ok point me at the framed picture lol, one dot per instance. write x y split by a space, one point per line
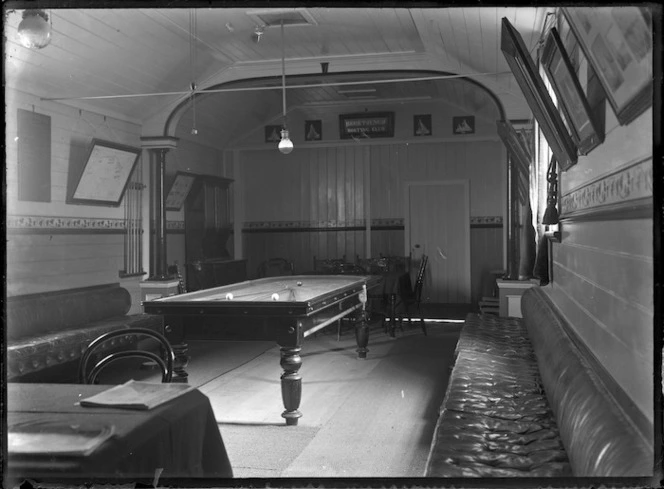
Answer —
272 134
617 41
179 190
571 99
519 153
313 130
464 124
422 125
537 96
105 174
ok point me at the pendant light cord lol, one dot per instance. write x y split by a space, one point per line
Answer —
283 72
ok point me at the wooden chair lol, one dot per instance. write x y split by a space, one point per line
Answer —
276 267
411 297
165 361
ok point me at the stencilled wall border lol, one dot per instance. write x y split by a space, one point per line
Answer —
622 194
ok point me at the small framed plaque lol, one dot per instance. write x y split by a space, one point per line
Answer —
179 190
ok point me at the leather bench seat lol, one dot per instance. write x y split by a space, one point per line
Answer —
48 332
525 399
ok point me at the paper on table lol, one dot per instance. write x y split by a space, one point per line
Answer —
136 395
57 437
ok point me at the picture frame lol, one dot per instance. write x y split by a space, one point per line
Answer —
273 133
521 155
313 130
105 174
537 95
617 42
571 98
180 188
422 125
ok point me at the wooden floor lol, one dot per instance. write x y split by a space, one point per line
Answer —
361 418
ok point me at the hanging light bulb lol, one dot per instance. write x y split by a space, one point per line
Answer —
285 145
34 31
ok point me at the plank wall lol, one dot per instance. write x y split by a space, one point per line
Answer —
317 201
602 271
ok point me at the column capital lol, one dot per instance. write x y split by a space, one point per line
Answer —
159 142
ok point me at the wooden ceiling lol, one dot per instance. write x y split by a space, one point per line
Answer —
139 63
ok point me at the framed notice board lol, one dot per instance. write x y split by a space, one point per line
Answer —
105 175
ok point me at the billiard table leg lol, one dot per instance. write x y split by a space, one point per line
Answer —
362 335
291 383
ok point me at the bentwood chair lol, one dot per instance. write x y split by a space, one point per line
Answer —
275 267
411 297
88 373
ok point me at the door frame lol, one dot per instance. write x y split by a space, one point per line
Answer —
408 185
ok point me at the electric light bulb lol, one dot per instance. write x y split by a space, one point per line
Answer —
285 145
34 30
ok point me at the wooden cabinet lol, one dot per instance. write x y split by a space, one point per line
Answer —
207 232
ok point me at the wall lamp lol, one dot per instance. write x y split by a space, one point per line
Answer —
551 219
34 31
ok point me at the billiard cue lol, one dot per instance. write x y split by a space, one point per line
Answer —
331 320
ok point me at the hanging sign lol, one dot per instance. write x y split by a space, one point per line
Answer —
366 125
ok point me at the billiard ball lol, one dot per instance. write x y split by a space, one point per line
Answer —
275 297
229 297
299 284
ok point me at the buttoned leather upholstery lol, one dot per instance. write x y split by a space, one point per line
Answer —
522 402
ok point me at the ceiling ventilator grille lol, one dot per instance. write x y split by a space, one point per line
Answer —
290 17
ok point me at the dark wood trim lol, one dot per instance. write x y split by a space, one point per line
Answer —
630 209
483 226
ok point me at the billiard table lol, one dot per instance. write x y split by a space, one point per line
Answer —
284 309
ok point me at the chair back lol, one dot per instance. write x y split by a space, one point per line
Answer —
165 361
275 267
419 281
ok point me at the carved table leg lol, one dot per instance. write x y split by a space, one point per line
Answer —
174 332
291 383
181 361
362 335
393 314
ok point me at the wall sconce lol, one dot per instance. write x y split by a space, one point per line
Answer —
551 219
34 31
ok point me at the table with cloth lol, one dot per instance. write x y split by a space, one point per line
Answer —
175 440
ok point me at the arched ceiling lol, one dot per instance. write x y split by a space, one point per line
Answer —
138 64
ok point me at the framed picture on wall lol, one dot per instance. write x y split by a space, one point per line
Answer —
571 99
533 88
313 130
105 174
179 190
617 41
272 134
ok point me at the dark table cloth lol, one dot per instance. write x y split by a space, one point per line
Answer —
181 437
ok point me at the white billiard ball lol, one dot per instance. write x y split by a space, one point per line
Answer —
229 297
299 284
275 297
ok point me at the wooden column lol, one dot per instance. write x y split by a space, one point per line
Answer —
158 148
512 220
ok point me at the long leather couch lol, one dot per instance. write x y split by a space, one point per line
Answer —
525 399
48 332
